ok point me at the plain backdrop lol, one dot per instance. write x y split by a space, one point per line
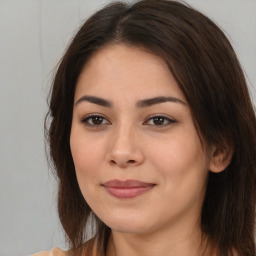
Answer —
33 36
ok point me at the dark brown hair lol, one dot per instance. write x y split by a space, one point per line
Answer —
208 73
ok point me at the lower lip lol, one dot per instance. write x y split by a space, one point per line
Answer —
128 192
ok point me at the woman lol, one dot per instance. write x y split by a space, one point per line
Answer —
152 136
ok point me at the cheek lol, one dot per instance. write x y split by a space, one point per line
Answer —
181 162
87 156
177 152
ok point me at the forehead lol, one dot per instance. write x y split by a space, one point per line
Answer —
122 69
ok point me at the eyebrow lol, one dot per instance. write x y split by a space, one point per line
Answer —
140 104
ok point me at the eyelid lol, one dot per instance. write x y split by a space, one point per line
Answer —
169 119
87 117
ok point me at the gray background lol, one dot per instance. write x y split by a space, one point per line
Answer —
33 36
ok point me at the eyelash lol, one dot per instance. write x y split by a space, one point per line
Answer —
85 120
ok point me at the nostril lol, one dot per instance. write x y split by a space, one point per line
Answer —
131 161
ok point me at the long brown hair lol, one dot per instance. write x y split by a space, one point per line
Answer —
206 68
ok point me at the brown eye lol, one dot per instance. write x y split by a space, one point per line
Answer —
160 121
94 120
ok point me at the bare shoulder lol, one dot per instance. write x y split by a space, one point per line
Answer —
54 252
88 249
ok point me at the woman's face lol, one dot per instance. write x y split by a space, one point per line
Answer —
138 158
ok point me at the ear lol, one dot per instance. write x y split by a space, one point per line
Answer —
220 158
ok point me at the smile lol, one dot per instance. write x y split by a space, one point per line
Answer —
127 189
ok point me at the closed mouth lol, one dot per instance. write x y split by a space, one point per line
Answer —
127 188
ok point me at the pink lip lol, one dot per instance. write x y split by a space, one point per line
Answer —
127 188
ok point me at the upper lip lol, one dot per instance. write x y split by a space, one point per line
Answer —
126 184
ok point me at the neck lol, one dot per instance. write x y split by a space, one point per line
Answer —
188 244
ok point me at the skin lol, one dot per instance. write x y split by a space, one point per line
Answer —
129 144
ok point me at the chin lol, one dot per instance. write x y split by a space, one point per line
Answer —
129 225
129 229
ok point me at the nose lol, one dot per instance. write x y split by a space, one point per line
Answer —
125 149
